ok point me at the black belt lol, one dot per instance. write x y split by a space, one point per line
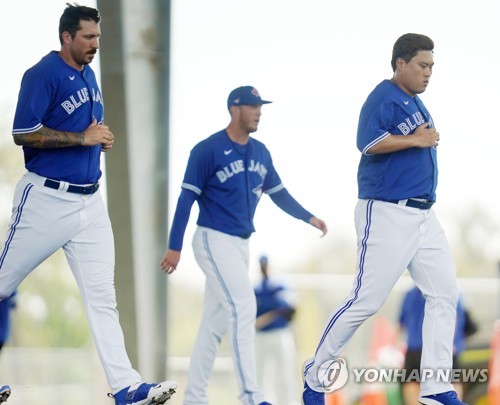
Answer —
72 188
423 205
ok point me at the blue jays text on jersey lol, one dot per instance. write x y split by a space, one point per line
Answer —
238 166
229 180
389 110
55 95
83 97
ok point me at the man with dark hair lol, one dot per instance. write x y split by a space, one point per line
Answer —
57 203
396 226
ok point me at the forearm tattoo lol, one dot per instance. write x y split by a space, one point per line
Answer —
46 138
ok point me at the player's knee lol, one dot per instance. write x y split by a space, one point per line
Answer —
448 293
372 310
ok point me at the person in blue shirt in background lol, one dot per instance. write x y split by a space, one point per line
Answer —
5 307
274 342
411 319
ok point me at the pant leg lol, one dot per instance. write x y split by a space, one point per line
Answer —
269 368
212 328
387 240
91 256
263 358
41 222
433 271
286 361
225 259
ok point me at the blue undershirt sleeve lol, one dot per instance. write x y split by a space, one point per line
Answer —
181 218
287 203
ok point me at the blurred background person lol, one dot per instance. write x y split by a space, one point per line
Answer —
6 307
275 343
411 319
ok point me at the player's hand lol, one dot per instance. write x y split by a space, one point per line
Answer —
97 134
426 137
170 261
320 224
106 147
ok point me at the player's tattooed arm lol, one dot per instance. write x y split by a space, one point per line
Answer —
46 138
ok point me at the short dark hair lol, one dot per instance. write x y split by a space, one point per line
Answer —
407 46
70 19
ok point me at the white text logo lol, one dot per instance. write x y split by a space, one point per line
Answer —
333 374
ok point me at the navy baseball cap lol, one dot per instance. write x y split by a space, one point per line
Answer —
245 95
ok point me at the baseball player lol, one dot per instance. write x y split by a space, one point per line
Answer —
395 224
6 306
275 347
57 203
227 174
411 318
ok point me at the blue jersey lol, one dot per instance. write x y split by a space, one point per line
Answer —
229 180
58 96
6 306
409 173
273 295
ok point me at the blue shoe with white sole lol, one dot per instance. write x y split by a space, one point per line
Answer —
311 397
445 398
4 393
145 394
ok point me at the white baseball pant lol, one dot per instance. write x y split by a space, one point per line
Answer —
390 239
44 220
277 365
230 306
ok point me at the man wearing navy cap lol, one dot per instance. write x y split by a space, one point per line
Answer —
226 174
245 95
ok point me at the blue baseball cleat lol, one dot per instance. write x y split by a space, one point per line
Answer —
145 394
311 397
4 393
445 398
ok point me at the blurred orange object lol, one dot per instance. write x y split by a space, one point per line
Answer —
494 367
374 394
336 398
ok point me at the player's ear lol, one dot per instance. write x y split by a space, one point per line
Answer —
400 62
234 110
66 37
